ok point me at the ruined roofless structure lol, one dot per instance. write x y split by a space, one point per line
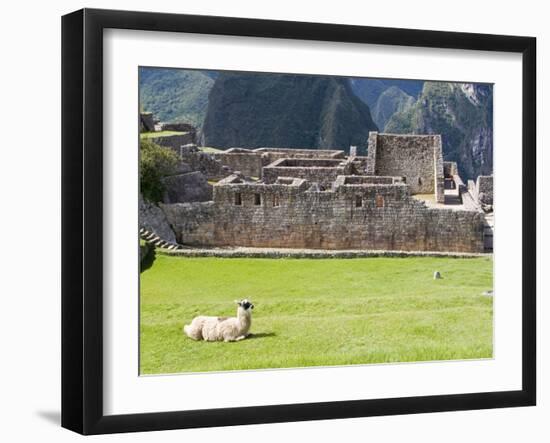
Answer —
402 196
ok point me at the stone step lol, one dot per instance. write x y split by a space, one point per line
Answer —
154 239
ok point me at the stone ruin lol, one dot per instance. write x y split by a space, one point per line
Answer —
170 135
252 161
401 196
482 191
418 158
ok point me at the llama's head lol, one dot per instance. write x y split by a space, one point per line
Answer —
245 304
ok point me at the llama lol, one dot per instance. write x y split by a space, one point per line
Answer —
222 328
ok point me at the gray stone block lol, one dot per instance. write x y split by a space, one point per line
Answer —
152 218
147 122
189 187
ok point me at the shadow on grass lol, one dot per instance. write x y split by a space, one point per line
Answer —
149 258
261 335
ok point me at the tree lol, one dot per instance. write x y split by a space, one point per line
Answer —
155 163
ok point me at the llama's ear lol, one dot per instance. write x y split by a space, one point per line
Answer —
237 301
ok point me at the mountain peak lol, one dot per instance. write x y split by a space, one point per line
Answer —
287 110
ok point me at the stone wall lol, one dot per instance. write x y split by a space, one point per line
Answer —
350 216
251 161
450 169
291 253
178 126
153 219
203 162
174 141
321 171
272 154
439 176
418 158
367 180
195 222
481 190
146 122
484 186
360 165
184 188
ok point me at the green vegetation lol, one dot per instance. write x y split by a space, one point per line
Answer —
285 110
175 94
208 149
155 163
406 122
148 135
317 312
370 89
392 100
443 108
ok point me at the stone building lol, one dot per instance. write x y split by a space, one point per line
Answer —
482 189
418 158
315 170
252 161
169 135
402 196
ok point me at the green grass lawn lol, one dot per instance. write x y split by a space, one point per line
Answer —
209 149
147 135
317 312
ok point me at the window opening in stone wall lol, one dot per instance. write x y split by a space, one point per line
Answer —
358 201
257 199
276 200
379 201
419 181
238 199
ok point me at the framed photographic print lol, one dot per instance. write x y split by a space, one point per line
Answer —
270 221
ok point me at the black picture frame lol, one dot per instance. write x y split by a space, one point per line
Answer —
82 219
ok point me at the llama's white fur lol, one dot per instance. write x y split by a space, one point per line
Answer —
222 328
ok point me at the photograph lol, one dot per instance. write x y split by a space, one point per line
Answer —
273 222
296 220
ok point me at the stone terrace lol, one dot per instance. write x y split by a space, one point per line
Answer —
401 197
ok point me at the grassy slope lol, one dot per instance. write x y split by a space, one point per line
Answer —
317 312
392 100
285 110
158 134
443 109
370 89
175 94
